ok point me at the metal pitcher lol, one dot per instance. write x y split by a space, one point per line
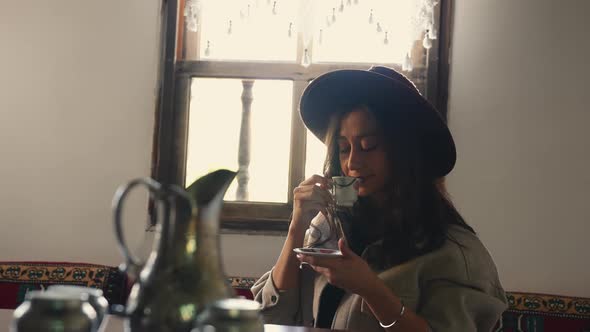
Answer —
183 272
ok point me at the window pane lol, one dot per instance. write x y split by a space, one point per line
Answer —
352 35
367 31
214 134
255 34
315 155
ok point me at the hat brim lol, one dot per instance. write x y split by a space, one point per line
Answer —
337 91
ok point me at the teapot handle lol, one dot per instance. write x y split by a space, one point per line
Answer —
132 263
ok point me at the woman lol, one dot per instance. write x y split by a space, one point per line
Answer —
410 262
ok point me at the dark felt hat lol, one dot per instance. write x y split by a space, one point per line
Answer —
386 91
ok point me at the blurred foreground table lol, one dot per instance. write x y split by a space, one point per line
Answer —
115 324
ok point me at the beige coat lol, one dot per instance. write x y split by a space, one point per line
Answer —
455 288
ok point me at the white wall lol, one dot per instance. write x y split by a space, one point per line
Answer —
519 113
76 98
77 103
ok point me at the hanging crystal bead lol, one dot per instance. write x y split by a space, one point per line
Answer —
407 65
191 12
208 49
426 42
371 17
306 59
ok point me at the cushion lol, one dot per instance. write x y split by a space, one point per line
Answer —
242 286
17 278
529 312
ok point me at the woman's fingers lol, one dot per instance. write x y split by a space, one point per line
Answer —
315 179
326 271
323 193
311 197
323 182
312 193
324 262
303 261
319 269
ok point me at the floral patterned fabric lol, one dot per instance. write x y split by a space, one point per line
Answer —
242 285
545 313
17 278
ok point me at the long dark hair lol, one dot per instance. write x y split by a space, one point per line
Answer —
415 218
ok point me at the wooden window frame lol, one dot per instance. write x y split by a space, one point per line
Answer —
172 110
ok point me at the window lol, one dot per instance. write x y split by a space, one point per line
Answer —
214 134
232 73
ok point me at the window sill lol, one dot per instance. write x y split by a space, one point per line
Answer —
255 218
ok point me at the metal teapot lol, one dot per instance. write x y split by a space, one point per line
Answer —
183 273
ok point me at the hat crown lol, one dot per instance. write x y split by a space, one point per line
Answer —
394 75
386 91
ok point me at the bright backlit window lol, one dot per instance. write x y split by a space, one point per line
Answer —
241 68
321 31
214 134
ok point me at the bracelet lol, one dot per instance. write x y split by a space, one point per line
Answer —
401 313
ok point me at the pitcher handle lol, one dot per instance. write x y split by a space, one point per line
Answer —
132 263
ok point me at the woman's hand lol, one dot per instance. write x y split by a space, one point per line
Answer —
349 272
309 198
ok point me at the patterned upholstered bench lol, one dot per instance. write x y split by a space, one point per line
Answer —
527 312
242 285
545 313
17 278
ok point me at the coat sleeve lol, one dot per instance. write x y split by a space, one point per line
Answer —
460 289
286 307
451 306
292 306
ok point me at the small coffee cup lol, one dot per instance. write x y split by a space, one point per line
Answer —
344 191
95 298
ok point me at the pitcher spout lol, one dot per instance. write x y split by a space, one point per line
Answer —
209 190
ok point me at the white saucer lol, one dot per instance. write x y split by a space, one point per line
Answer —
320 252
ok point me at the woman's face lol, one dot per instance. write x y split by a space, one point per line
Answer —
362 151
